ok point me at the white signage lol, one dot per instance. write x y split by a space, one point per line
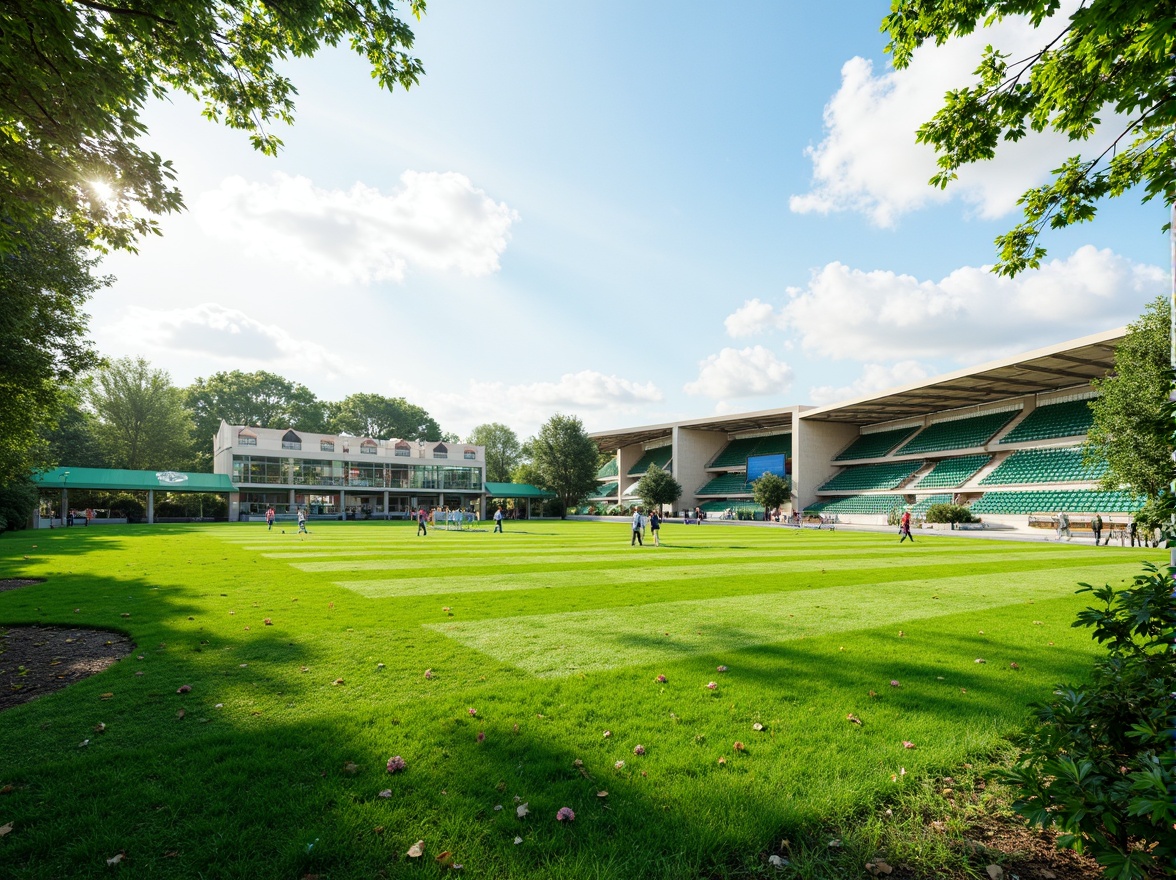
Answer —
171 477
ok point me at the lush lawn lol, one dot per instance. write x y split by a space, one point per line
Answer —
553 633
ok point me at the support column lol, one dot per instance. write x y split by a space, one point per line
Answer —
342 503
386 510
150 506
64 506
291 509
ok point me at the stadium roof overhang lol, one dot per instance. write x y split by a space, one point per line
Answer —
113 480
516 490
778 419
1066 365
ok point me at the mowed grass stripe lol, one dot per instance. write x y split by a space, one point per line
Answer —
439 582
554 645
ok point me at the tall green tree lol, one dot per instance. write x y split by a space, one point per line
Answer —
503 450
142 422
373 415
1132 429
260 398
770 491
75 75
44 284
657 487
1107 55
564 457
74 441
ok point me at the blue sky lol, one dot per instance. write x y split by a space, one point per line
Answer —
629 212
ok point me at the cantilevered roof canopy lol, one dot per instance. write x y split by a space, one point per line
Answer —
516 490
733 424
111 480
1066 365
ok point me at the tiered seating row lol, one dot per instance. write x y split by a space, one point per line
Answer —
721 506
726 484
660 457
1044 466
876 445
857 478
735 453
958 433
608 490
610 469
952 472
1068 419
868 504
1072 501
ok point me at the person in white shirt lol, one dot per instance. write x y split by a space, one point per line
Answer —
638 527
498 519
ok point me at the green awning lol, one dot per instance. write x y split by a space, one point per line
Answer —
516 490
111 480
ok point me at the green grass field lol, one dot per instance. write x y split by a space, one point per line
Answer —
542 639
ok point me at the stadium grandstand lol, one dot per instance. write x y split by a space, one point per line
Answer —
1004 438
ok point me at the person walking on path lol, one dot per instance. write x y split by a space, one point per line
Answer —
302 530
638 524
1064 526
655 527
904 527
422 528
498 519
1133 531
1096 527
269 518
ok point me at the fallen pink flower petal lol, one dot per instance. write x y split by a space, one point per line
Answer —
894 683
481 737
565 814
619 765
268 622
661 679
428 673
721 668
386 793
473 712
183 689
638 749
607 734
907 744
396 764
713 685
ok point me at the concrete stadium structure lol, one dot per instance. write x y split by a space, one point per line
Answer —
1001 437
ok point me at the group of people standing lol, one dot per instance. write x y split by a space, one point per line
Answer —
639 523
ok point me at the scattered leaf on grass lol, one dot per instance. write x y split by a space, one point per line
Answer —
518 840
180 714
183 689
835 842
721 668
8 789
758 726
396 764
522 809
5 829
907 744
777 861
386 793
100 727
713 685
105 696
350 768
444 859
602 794
416 850
337 681
116 858
379 829
853 719
638 749
268 622
878 868
996 872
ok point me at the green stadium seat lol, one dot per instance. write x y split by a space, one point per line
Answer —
660 457
1054 465
958 433
862 477
1071 418
952 472
875 445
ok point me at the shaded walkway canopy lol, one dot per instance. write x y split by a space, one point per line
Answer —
113 480
516 490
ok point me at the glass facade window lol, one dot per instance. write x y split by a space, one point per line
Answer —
326 446
471 455
243 440
291 444
460 478
367 449
254 469
403 451
257 469
440 454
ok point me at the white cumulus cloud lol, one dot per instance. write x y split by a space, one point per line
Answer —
589 394
437 222
224 336
874 378
750 319
970 314
743 372
868 160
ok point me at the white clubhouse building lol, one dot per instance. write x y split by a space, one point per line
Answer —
333 474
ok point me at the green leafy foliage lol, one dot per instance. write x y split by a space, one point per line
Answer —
18 499
1097 761
1132 416
770 491
142 422
949 513
564 458
373 415
44 283
1108 55
503 450
76 75
658 487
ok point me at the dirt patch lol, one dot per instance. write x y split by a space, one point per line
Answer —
36 660
1028 853
17 583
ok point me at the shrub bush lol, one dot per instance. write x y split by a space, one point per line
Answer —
1097 762
950 513
127 506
